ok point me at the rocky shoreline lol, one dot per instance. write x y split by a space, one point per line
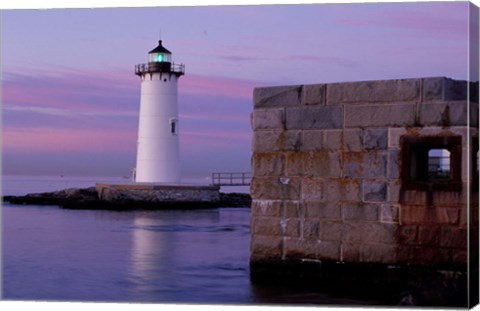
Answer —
88 198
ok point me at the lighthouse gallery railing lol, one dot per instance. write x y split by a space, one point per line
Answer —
145 68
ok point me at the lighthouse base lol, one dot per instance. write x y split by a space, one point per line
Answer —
147 193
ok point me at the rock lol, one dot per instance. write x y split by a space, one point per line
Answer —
235 200
87 198
62 197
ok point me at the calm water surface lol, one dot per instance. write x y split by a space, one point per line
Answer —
196 256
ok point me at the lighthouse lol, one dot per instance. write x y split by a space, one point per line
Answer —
158 129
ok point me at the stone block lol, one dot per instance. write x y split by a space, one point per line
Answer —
312 189
459 257
421 214
323 210
394 164
360 211
395 115
444 114
295 163
313 164
374 91
378 253
440 131
293 209
274 140
265 141
275 188
451 198
393 191
413 197
278 96
273 118
441 88
449 216
266 226
331 230
311 229
407 235
352 140
322 164
375 139
464 216
355 232
341 190
328 250
365 164
374 191
314 117
433 88
344 140
353 164
300 248
333 140
369 232
268 164
414 214
453 237
266 246
314 94
290 141
265 188
350 252
267 208
312 140
292 227
394 135
406 254
428 235
389 213
432 256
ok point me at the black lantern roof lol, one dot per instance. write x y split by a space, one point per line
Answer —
160 49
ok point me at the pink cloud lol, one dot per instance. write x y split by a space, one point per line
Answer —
217 86
192 141
215 115
227 135
54 140
70 89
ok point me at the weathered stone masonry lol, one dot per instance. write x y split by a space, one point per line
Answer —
327 174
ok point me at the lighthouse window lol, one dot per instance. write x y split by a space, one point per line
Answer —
174 126
160 58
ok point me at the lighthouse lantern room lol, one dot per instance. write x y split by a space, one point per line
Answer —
158 139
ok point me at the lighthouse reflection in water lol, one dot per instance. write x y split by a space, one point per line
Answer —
184 252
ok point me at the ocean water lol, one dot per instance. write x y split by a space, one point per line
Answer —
171 256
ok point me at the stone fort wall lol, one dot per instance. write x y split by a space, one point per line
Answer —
338 173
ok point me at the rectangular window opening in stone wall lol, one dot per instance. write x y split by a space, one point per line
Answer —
431 163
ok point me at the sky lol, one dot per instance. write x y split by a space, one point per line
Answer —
70 98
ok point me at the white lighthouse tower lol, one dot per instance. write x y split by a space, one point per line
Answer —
158 132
